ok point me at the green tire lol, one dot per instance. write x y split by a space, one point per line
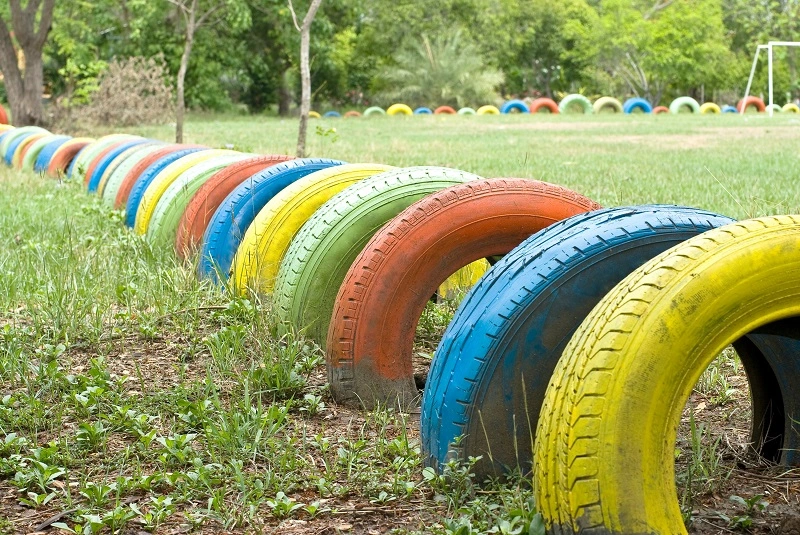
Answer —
573 101
680 102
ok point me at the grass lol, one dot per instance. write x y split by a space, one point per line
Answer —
135 397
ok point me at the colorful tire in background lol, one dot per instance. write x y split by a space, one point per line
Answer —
332 114
660 109
35 149
371 335
422 110
352 113
637 357
139 166
65 154
488 110
604 103
775 108
750 101
544 104
80 164
258 258
314 115
374 110
13 137
46 154
399 109
489 375
729 109
637 103
710 107
514 106
97 169
230 222
3 115
119 166
791 107
212 193
467 111
684 102
444 110
25 146
576 100
317 261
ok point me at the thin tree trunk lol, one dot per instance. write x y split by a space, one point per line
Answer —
305 72
180 108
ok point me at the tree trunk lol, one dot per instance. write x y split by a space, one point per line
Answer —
24 87
180 108
305 75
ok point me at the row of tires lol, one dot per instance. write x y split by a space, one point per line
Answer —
573 355
573 103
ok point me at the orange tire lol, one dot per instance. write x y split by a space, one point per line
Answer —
93 164
3 116
444 110
352 113
64 155
205 202
540 103
745 103
371 334
660 109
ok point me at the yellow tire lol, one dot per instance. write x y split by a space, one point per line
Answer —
605 444
791 108
267 239
6 127
314 115
399 109
710 107
488 110
162 181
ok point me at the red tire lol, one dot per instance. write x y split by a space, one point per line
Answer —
205 202
130 179
3 116
540 103
352 113
444 110
63 156
371 334
745 103
660 109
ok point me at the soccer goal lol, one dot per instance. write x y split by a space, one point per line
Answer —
768 47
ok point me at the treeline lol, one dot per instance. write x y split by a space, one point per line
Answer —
458 52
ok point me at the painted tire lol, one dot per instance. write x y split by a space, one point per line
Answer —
399 109
488 110
576 100
729 109
775 108
255 266
467 111
444 110
316 263
695 299
530 303
544 103
604 103
101 163
374 110
25 146
3 115
119 167
33 151
65 154
231 220
660 109
791 108
405 262
314 115
133 174
216 189
163 225
710 107
80 164
422 110
637 103
332 114
681 102
144 180
352 113
514 105
745 103
164 178
46 154
13 138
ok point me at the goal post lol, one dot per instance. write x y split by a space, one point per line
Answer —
768 47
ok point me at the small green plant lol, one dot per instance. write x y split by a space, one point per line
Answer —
283 506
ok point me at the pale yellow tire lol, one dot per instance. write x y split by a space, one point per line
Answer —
163 179
255 266
6 127
91 151
791 108
604 103
710 107
488 110
399 109
605 444
314 115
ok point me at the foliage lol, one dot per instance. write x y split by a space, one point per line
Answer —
447 69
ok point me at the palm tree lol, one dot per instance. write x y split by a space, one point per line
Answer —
444 70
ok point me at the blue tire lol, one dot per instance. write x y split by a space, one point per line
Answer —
729 109
510 105
144 180
332 114
43 159
422 110
227 226
514 324
108 158
637 103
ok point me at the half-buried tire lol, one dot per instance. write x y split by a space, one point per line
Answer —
316 264
371 335
489 375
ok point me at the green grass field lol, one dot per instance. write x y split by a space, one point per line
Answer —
135 398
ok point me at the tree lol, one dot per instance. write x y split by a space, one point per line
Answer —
24 86
305 71
197 13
